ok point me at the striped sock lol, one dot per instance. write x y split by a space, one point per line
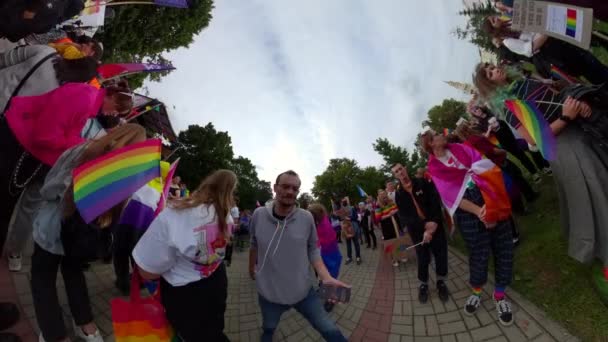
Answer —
477 291
499 293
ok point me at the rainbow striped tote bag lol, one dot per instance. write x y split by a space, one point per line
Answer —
140 319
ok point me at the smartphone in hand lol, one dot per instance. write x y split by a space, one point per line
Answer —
337 293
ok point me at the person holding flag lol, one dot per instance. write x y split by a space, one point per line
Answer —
420 210
473 191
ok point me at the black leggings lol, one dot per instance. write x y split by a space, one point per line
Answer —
370 237
45 266
196 310
438 247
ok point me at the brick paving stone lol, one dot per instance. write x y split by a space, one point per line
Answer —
401 329
448 317
432 327
428 339
485 333
452 327
448 338
419 326
513 333
464 337
527 325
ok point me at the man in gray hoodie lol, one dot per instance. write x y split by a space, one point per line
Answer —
283 247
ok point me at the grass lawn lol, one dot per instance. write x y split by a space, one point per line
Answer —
546 276
600 52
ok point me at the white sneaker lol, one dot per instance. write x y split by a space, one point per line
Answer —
14 263
96 337
396 264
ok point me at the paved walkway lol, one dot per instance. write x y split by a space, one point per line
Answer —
384 307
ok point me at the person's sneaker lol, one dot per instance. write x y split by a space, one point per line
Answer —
547 170
423 293
348 261
536 178
358 261
96 337
403 261
9 337
368 247
396 264
41 338
505 315
9 315
14 263
515 241
471 305
442 290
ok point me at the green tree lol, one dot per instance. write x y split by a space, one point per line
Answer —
393 154
203 150
473 30
250 188
445 115
139 33
337 181
341 178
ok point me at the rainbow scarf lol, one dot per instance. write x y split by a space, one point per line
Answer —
534 122
104 182
386 211
451 183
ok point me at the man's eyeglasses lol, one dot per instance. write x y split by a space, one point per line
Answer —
295 188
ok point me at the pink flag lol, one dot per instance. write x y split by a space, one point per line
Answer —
166 187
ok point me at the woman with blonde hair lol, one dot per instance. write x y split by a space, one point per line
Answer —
185 246
55 224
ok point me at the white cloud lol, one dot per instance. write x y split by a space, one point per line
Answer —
298 83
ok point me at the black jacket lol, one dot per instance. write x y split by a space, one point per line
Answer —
428 200
49 13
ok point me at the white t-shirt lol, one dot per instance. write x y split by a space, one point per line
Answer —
522 45
183 246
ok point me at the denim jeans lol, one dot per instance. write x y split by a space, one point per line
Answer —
310 307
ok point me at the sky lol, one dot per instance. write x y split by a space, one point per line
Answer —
297 83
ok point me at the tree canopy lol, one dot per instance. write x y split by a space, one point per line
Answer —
341 179
473 31
140 33
204 150
445 115
393 154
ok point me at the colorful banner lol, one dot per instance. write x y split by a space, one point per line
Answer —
108 71
104 182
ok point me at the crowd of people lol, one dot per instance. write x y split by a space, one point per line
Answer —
56 115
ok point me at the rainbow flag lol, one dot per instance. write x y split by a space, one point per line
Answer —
104 182
446 132
571 23
560 75
534 122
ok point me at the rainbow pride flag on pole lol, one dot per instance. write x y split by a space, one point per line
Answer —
104 182
534 122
